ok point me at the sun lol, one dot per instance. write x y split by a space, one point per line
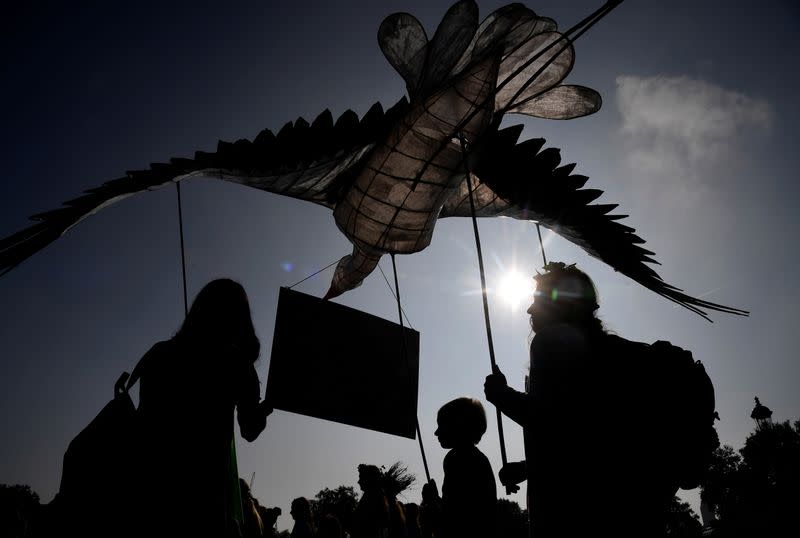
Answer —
515 289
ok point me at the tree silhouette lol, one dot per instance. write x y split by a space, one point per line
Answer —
720 488
19 507
757 492
340 503
681 520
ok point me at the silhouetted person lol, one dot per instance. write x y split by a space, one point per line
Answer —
469 492
394 481
412 520
189 388
371 518
430 511
595 464
252 526
329 527
301 513
397 518
269 517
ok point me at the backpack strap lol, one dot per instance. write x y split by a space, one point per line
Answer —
120 387
158 349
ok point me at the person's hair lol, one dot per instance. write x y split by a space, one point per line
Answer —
571 292
329 527
252 517
370 475
467 417
220 314
396 479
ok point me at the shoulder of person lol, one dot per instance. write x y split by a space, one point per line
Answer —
560 336
156 353
464 456
164 346
455 457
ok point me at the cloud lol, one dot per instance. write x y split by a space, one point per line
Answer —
682 128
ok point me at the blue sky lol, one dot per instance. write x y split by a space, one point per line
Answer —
696 141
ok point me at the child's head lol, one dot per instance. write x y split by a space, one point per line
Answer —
460 422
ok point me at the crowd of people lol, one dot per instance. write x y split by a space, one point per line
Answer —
572 379
464 509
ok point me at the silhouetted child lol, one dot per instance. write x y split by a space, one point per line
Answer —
469 492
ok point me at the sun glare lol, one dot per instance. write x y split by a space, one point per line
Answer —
516 289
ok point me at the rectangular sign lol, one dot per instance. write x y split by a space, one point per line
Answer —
336 363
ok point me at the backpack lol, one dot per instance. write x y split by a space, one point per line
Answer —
680 399
99 464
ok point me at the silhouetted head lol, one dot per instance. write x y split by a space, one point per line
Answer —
329 527
369 477
564 294
460 422
412 513
301 509
269 516
220 317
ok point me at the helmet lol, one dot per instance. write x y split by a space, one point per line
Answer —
566 285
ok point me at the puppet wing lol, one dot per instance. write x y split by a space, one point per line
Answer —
524 182
313 162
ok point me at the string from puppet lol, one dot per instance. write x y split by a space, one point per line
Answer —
401 313
385 279
314 274
395 296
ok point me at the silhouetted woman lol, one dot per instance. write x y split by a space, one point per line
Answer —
189 388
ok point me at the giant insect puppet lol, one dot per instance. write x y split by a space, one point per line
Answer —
391 175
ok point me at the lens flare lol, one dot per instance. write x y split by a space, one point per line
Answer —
515 289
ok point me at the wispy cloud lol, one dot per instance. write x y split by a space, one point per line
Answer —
682 128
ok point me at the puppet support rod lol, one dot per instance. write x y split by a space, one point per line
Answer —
404 350
541 244
509 489
237 500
